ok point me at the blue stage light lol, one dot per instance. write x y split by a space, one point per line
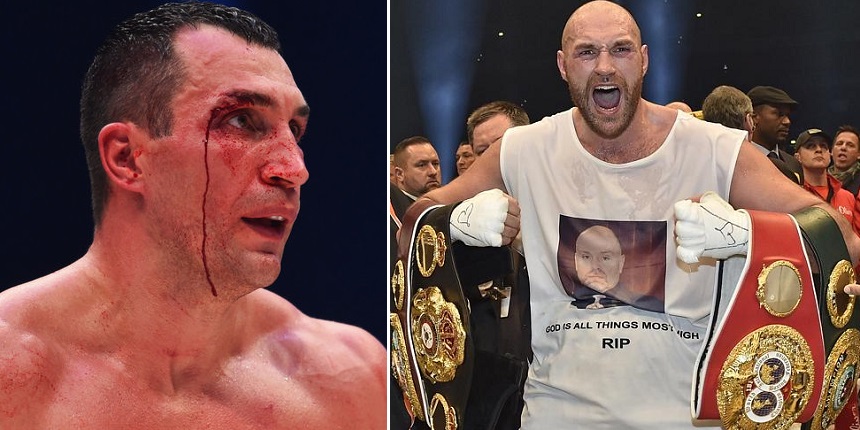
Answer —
444 40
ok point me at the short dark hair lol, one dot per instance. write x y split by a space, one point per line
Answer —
846 129
514 112
136 73
401 146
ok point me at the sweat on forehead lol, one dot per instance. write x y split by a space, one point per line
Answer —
602 14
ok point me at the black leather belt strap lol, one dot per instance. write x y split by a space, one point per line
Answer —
839 320
824 238
434 317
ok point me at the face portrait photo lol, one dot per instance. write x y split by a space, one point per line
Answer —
599 260
613 263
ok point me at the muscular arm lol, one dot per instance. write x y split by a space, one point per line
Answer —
490 219
758 185
484 174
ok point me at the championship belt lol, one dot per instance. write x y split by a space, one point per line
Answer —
758 368
839 321
431 348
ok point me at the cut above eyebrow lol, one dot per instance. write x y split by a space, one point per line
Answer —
251 97
264 100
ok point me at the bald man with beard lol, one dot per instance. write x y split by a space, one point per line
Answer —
623 158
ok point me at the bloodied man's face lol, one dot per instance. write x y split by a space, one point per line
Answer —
223 189
599 260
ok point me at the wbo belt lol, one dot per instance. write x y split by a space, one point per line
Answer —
432 354
839 321
761 361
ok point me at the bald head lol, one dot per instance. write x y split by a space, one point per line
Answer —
599 14
598 258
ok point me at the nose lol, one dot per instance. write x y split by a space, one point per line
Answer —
603 63
285 165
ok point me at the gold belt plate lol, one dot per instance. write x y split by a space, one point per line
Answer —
767 380
437 334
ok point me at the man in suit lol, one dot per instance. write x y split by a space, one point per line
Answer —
771 110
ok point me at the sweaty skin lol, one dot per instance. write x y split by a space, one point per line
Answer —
130 335
610 55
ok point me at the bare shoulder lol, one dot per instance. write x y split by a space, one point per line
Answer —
754 172
29 370
31 362
339 366
662 116
293 332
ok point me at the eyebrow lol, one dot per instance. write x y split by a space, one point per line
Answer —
623 41
260 99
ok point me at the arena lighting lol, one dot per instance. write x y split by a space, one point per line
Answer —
664 29
444 39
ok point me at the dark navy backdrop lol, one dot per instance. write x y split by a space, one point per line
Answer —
334 265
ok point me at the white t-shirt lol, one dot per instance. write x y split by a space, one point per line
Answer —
618 366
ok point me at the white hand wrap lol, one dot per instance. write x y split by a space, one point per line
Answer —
480 221
710 228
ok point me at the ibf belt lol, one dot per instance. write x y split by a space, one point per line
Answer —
432 357
839 321
758 369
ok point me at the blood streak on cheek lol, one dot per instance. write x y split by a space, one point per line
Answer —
232 153
214 114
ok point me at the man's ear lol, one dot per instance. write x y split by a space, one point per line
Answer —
559 62
399 174
644 50
119 152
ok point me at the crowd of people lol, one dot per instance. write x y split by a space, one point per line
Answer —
825 164
590 196
498 300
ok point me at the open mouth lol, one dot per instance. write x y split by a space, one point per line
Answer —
607 96
273 226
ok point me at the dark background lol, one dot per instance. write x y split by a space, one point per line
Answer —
337 53
809 49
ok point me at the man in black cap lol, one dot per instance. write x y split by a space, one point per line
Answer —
771 110
812 150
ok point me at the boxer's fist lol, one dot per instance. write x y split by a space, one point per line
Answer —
710 227
491 218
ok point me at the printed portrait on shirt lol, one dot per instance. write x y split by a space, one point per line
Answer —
613 263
